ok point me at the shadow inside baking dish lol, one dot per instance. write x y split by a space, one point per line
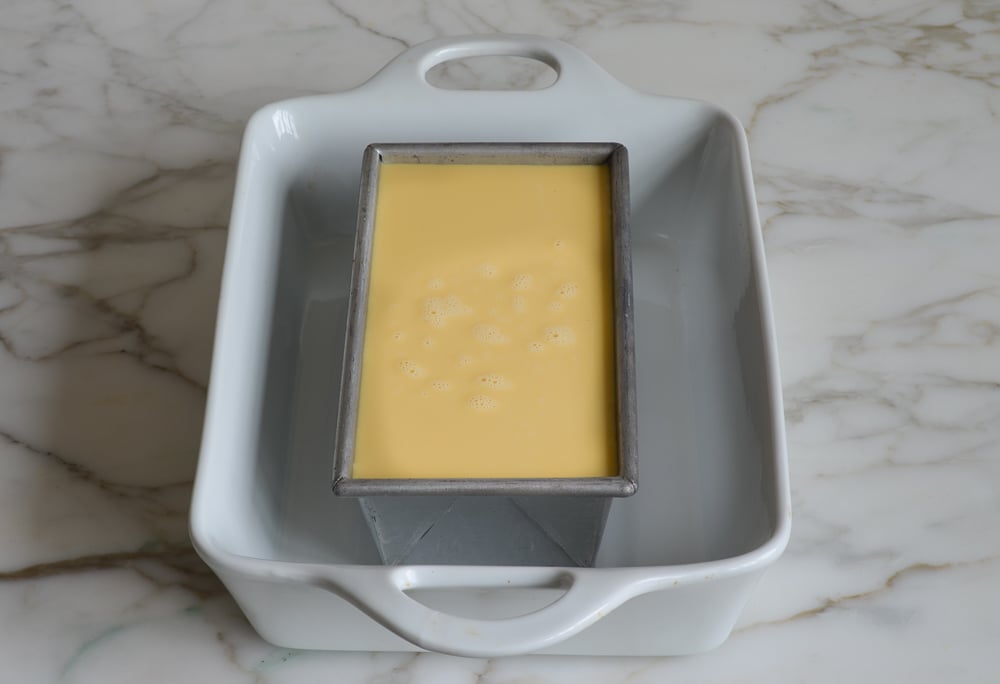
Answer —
706 441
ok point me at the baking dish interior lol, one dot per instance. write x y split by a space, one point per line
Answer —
708 449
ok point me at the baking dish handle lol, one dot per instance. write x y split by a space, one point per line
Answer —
590 594
576 73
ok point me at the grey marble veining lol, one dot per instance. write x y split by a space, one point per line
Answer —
874 134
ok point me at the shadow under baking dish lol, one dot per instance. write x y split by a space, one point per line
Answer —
706 451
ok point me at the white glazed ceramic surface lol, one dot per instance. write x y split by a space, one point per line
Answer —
679 559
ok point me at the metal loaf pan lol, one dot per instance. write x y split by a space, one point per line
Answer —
538 521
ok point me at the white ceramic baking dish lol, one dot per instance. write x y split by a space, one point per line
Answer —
679 558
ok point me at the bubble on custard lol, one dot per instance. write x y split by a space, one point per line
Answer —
453 306
398 336
487 270
427 343
434 306
435 284
465 360
567 290
482 402
561 335
559 244
556 306
492 381
536 346
441 385
412 369
434 311
522 281
437 310
519 304
489 334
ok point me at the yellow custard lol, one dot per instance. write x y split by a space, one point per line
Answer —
489 343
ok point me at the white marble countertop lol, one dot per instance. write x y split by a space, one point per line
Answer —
875 138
